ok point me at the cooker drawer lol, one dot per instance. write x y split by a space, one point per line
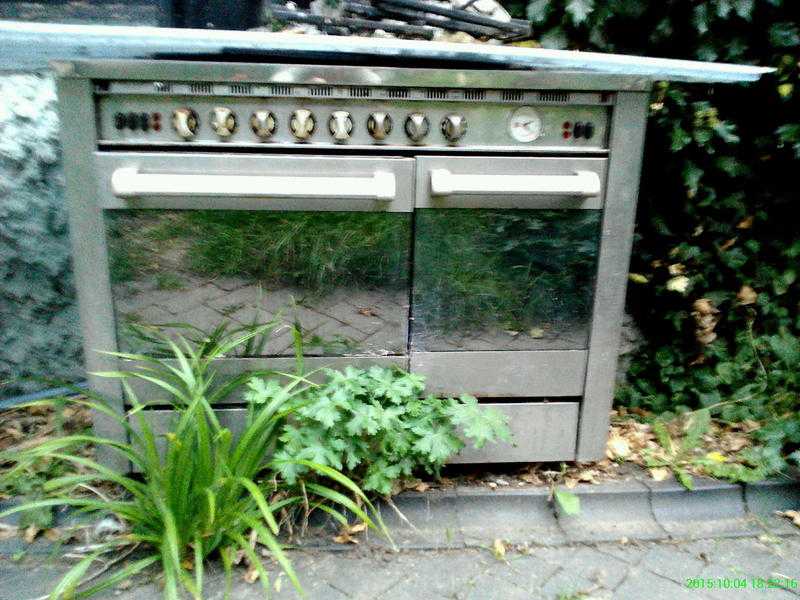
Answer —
253 182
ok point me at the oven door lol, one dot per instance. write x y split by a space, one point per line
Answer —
197 241
505 260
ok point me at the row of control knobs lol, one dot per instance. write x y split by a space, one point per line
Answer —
303 124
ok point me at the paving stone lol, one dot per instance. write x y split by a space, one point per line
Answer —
527 571
668 560
180 300
392 339
433 519
631 552
642 584
150 315
599 519
517 516
349 314
713 509
201 316
765 498
440 575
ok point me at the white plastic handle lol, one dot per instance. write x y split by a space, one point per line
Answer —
582 184
128 182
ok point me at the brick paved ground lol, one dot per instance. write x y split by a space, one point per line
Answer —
631 571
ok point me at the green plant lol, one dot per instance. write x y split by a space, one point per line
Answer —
685 453
377 425
200 492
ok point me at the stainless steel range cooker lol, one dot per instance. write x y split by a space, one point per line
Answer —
473 226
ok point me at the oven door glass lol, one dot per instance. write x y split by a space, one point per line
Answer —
503 279
342 277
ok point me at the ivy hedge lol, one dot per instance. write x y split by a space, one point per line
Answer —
714 283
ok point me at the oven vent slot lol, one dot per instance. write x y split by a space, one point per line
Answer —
201 87
397 92
163 87
554 96
512 95
243 89
280 90
436 94
474 94
360 92
320 91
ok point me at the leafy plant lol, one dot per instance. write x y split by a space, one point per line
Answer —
200 492
683 454
376 425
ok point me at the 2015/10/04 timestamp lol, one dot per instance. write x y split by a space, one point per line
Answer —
739 583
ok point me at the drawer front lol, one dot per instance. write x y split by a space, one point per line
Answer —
542 432
516 182
253 182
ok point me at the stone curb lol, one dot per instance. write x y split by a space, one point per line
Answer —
635 509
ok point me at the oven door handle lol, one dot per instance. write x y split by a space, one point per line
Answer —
129 182
581 184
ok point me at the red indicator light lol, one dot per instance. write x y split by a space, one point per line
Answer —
566 135
566 125
157 126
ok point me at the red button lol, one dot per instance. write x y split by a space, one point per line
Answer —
566 135
566 125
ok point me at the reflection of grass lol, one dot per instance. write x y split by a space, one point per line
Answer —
313 250
168 281
514 269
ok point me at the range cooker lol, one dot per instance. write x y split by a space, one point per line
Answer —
472 226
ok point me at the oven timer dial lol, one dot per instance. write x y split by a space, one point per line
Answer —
185 122
302 124
379 125
223 121
525 125
454 127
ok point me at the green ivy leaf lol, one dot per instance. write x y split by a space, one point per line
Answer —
568 502
538 11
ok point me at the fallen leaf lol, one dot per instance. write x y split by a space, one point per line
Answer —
659 473
727 244
357 528
587 476
53 534
792 515
345 538
716 457
367 312
617 448
422 486
745 223
679 284
746 295
30 534
637 278
676 269
536 332
251 575
499 549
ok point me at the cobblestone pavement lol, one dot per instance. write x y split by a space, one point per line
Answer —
630 571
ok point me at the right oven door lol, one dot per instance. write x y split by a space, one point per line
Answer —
505 262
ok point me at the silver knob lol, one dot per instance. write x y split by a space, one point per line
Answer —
340 125
223 121
185 122
379 125
262 122
417 126
302 124
454 127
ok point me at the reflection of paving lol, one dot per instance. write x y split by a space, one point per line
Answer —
555 336
345 321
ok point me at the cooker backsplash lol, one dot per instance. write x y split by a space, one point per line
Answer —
247 115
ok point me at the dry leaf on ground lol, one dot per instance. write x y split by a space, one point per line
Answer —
499 549
660 473
792 515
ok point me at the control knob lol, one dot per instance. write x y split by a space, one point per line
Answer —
454 127
223 121
340 125
417 126
185 122
379 125
302 124
262 122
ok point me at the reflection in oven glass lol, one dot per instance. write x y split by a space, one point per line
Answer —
503 279
342 276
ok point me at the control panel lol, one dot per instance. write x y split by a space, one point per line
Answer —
579 123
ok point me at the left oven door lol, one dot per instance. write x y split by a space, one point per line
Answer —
198 241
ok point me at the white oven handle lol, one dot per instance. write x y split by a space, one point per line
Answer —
128 182
582 184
